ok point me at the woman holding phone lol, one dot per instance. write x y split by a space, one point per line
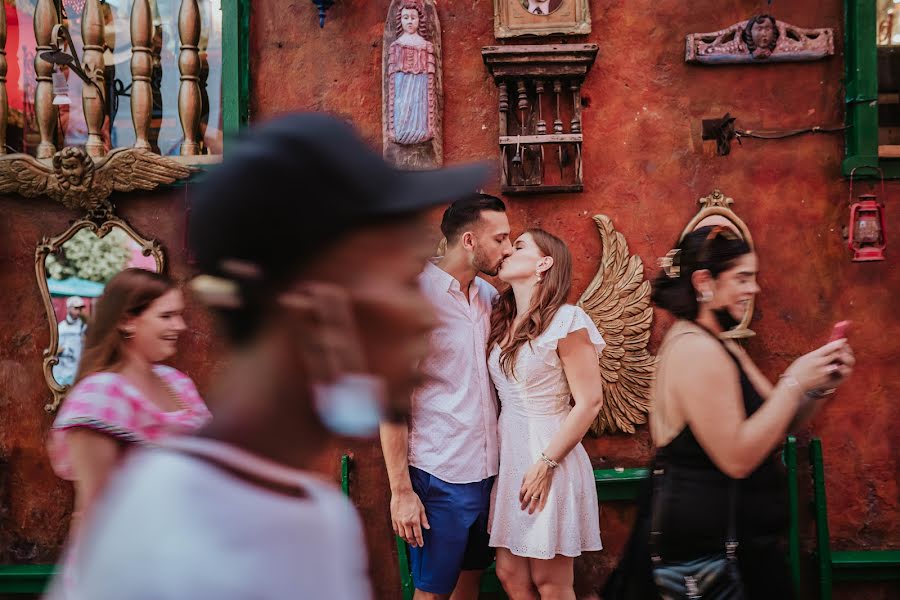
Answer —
718 423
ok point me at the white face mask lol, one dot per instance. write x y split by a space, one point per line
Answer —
352 405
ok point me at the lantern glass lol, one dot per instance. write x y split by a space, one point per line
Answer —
867 229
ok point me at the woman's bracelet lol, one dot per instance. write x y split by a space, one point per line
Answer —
550 462
790 381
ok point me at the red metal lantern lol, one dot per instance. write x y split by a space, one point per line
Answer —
867 238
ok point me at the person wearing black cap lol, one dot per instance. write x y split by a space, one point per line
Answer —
309 247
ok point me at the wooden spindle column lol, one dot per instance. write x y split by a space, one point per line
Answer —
45 17
93 96
557 121
141 68
189 67
4 99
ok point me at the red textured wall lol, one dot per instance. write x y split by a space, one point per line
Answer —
34 504
643 167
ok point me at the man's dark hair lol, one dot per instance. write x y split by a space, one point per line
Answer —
465 212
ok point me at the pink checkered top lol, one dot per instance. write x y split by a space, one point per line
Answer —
106 402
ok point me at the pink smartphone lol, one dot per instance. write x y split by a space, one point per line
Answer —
839 331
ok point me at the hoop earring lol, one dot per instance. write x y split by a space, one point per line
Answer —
127 335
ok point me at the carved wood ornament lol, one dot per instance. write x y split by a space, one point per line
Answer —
715 209
540 117
618 301
412 85
82 183
760 39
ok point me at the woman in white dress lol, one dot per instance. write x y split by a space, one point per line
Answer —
543 353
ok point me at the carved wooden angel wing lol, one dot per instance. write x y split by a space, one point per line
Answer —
26 175
127 169
618 301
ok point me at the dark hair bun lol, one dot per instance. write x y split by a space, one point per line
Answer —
709 248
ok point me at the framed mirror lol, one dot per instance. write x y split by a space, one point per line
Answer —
72 269
715 209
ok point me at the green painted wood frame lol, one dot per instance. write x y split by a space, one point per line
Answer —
848 565
861 94
235 66
790 461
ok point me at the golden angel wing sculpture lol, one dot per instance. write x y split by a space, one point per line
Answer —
80 182
618 301
23 174
128 169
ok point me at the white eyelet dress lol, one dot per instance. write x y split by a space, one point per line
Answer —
534 404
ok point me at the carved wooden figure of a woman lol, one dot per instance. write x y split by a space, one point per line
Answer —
412 85
411 69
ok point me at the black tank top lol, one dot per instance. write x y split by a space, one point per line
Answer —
695 516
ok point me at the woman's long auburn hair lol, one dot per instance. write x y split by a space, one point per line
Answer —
128 294
550 294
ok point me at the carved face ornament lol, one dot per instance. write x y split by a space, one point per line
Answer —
73 169
409 20
762 32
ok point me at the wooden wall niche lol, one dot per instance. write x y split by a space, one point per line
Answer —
540 117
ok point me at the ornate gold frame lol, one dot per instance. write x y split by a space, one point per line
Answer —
51 245
718 205
511 20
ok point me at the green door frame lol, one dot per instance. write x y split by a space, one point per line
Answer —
861 93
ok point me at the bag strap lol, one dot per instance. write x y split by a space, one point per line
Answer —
656 513
731 537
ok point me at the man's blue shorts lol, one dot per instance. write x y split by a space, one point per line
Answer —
458 538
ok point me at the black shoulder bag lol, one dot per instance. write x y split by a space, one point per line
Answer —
710 577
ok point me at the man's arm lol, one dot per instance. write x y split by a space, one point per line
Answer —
407 513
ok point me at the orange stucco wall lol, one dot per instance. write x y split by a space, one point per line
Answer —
644 167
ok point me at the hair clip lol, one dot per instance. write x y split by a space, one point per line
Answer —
243 269
216 291
671 263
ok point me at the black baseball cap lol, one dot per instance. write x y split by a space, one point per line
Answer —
292 185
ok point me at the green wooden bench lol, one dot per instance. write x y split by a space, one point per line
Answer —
612 484
25 579
847 565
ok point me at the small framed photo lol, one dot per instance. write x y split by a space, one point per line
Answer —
515 18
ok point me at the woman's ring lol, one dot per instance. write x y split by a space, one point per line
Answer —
535 497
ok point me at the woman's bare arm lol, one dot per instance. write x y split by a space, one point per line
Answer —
94 456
